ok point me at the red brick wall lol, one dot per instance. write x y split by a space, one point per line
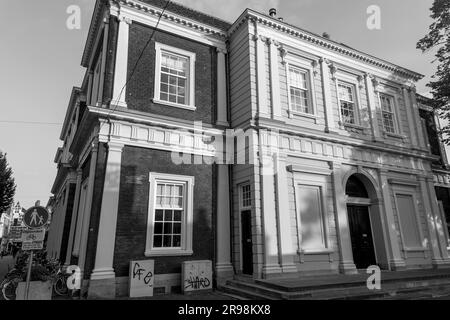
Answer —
133 209
140 89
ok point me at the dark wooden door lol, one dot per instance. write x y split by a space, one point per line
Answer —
361 236
247 244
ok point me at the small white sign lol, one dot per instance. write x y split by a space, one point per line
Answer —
33 235
196 275
32 245
142 278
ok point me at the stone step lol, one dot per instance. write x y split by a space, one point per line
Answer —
243 294
395 288
277 294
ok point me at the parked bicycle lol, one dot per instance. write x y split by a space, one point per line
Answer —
42 269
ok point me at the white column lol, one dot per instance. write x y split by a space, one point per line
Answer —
395 259
287 253
346 264
108 215
372 107
121 66
329 116
261 76
74 218
221 89
87 212
224 268
410 115
269 219
418 123
275 81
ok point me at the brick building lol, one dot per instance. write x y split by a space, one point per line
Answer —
255 144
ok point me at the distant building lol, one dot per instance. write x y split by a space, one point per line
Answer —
334 163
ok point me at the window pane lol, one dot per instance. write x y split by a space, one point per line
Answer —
345 92
177 215
159 215
168 215
157 241
176 241
167 228
167 241
158 228
177 228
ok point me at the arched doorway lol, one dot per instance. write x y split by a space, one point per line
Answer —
360 224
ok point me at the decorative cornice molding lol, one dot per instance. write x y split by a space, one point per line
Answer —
172 17
322 42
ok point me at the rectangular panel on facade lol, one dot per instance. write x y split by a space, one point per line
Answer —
141 278
196 275
311 220
408 220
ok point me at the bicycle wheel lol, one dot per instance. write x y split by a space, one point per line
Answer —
60 286
9 289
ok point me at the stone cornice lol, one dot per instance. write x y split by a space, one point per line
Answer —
174 18
95 24
317 40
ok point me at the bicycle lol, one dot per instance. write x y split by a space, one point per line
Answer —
10 283
60 283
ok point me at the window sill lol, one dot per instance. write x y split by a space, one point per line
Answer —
303 114
172 104
167 253
316 251
352 125
415 249
393 135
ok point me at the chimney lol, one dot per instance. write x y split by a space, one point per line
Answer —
326 35
273 12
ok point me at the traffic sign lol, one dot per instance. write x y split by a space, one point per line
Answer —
32 245
36 217
33 235
15 233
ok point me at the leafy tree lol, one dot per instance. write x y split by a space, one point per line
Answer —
7 184
439 38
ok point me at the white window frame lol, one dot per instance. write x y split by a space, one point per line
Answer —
308 68
395 107
190 103
187 220
355 86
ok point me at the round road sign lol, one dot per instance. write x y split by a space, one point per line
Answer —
36 217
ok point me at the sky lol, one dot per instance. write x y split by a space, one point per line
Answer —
40 63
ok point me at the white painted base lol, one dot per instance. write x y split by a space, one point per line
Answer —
441 263
102 289
99 274
224 272
269 270
222 123
397 265
289 268
347 267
